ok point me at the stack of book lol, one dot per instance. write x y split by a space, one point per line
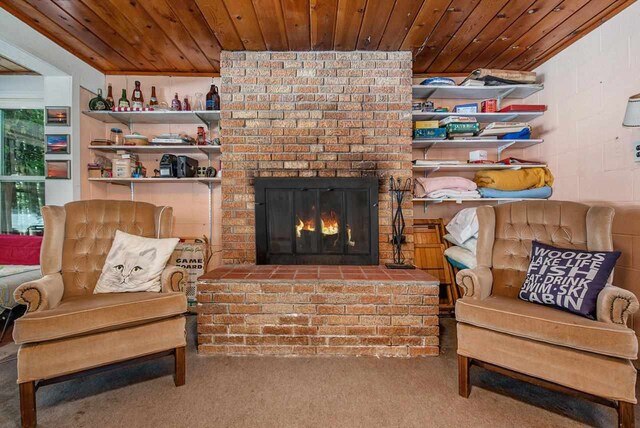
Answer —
496 129
460 126
429 130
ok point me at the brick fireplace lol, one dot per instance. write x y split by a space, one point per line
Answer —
312 114
309 142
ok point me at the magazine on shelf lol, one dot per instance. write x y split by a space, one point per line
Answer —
457 119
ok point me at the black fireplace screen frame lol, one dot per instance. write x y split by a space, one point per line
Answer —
364 185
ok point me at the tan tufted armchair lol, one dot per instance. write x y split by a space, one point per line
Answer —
67 329
539 344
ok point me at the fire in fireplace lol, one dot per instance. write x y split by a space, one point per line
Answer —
317 220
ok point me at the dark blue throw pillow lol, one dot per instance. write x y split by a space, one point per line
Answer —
567 279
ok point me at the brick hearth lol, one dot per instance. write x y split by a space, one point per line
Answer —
302 310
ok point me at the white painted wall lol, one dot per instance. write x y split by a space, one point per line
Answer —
586 90
63 74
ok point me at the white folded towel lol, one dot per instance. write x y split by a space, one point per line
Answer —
454 194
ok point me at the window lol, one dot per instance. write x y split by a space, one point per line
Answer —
21 170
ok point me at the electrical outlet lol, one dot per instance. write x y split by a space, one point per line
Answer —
636 151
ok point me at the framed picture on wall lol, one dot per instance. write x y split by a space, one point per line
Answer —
58 169
57 116
57 144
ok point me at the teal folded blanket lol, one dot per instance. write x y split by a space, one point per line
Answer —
537 193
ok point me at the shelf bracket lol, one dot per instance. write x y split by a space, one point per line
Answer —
208 124
504 95
504 147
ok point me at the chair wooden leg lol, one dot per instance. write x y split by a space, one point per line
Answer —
625 415
464 386
28 404
180 366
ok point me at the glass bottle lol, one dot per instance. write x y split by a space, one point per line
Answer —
185 104
137 100
98 103
123 101
216 98
110 100
209 102
175 103
153 101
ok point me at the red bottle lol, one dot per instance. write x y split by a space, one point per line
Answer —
175 103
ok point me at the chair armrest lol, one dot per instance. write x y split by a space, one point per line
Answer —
41 294
173 279
615 304
475 283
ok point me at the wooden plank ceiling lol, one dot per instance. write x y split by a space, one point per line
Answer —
186 36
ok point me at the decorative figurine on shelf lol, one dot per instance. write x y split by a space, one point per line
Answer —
175 103
99 103
137 100
398 190
201 139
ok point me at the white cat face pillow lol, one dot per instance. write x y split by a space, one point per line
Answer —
134 263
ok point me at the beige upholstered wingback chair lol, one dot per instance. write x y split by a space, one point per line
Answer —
67 329
543 345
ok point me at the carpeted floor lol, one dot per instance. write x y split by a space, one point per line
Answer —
298 392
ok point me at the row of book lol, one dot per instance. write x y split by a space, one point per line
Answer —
453 127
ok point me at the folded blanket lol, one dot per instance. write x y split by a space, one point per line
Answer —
453 194
519 179
424 185
539 192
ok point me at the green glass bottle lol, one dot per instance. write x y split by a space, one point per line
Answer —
98 103
123 101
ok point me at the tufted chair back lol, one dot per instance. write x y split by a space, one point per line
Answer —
78 237
506 233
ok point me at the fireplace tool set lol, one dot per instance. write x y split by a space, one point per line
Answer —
398 189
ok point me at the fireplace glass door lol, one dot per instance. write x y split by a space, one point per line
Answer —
317 221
